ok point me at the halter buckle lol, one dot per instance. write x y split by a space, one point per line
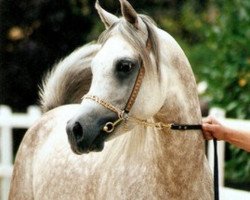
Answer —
110 126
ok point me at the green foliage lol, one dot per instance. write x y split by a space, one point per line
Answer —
222 58
227 66
238 166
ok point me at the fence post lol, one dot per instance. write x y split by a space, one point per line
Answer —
219 114
5 150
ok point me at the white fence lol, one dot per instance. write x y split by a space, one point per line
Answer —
226 193
9 120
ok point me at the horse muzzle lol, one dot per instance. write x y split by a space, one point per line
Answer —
85 132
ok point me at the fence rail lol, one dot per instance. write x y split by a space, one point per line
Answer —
10 120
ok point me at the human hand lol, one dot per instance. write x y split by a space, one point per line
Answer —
212 129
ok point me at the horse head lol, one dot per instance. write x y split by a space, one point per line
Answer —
128 47
139 72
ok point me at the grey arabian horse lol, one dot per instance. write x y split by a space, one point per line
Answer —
113 140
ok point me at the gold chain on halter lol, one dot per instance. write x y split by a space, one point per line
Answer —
109 127
104 104
158 125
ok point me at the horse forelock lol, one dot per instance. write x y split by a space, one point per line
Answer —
133 37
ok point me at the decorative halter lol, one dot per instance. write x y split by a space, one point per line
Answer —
123 114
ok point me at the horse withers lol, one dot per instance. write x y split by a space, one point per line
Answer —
113 140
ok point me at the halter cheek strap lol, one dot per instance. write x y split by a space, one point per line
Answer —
135 90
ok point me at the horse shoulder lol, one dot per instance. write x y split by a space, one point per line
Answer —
23 172
21 183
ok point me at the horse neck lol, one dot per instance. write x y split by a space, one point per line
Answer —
183 109
162 149
182 103
178 83
181 106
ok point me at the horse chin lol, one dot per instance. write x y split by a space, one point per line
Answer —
96 146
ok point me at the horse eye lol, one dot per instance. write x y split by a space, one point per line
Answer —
125 66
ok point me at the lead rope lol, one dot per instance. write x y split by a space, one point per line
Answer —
216 172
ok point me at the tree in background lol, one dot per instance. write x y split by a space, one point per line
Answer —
222 58
33 35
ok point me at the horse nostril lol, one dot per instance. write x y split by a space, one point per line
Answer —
77 132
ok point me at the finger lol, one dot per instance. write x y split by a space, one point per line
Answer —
213 120
208 120
207 136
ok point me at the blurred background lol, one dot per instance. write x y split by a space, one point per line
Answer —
215 35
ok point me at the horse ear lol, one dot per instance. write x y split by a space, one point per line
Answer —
129 13
132 17
107 18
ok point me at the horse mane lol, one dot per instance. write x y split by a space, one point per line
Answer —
68 80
